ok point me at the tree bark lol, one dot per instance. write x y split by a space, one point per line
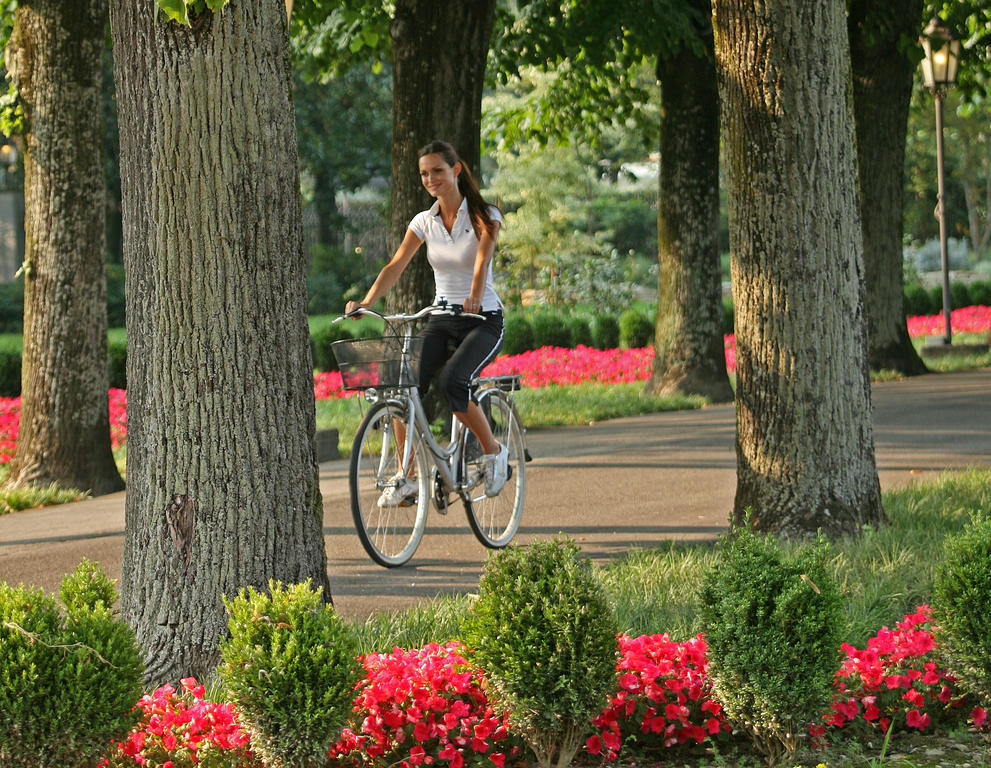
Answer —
804 444
55 57
222 475
689 351
882 91
439 51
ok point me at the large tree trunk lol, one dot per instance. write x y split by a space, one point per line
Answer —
882 90
439 50
55 57
690 356
222 477
805 443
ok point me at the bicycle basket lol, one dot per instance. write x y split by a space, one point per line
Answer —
377 362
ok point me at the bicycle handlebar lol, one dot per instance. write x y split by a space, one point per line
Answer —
432 309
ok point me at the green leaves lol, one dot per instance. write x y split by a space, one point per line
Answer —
543 631
68 678
329 37
181 10
290 667
11 112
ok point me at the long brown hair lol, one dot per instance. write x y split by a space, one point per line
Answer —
478 209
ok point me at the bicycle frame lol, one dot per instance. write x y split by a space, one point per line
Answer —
445 459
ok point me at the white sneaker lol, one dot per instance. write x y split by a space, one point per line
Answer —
496 470
398 491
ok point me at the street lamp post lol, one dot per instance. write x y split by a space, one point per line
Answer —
939 70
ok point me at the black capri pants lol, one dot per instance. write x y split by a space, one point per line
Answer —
475 343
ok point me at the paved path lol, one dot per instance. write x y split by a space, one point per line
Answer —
611 485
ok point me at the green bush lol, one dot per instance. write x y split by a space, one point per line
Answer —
517 334
635 329
917 301
116 299
544 634
729 316
980 293
550 330
323 353
579 330
10 372
324 294
12 307
935 300
959 295
69 678
773 624
605 332
117 364
290 667
961 596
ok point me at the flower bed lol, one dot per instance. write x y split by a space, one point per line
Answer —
539 368
424 706
897 679
428 706
180 729
663 699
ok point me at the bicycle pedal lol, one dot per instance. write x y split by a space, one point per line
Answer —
409 501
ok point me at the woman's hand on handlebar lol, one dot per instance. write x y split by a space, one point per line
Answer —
353 309
471 305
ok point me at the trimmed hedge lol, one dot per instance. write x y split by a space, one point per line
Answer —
11 307
10 372
635 329
980 293
580 330
550 329
290 667
544 632
517 334
605 332
321 341
773 622
69 674
916 300
117 364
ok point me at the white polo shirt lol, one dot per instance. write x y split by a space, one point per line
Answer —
452 254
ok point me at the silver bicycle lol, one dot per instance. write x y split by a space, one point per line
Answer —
395 444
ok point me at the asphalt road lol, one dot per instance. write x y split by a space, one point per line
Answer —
611 485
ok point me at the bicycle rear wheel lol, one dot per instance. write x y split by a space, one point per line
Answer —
495 520
389 530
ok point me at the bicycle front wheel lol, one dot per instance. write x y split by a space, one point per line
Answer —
495 520
389 521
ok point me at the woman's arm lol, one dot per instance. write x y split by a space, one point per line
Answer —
390 272
483 260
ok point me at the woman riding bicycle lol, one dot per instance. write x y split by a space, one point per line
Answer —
460 231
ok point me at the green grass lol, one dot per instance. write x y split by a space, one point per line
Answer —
557 406
362 327
29 497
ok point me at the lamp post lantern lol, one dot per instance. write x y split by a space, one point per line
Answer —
939 70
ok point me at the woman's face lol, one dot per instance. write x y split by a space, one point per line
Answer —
437 176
